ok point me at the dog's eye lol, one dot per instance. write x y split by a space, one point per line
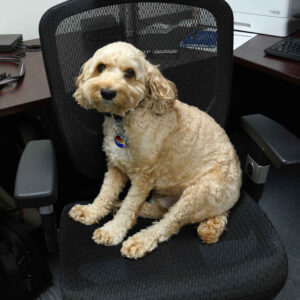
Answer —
101 68
129 73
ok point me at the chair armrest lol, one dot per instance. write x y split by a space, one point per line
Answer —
36 180
279 145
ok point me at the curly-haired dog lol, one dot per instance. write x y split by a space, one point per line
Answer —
174 149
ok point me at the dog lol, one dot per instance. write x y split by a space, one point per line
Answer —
163 146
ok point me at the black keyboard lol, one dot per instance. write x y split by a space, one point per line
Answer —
287 48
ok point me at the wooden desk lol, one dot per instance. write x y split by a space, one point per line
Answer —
33 90
252 55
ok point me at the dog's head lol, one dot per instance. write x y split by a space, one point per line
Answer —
118 77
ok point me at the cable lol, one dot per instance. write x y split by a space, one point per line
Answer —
8 78
16 59
22 48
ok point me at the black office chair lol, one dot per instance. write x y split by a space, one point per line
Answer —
192 42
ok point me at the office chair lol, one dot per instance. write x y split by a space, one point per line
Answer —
192 43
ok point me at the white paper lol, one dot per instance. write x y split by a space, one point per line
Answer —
241 37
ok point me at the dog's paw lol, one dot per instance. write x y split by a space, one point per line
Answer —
85 214
138 246
210 230
109 235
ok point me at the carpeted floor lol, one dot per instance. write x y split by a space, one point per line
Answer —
54 291
281 202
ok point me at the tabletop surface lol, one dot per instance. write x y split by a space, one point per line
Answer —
252 55
34 90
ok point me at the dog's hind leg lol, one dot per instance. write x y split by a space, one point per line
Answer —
197 202
150 210
147 239
210 230
156 208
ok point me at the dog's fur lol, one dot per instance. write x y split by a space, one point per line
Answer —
175 150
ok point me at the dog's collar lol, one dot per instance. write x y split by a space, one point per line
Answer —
118 118
120 138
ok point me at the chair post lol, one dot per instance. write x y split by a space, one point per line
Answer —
50 228
255 172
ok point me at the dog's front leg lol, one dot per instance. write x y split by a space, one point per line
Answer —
112 186
114 231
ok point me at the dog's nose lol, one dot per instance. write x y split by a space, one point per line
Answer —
108 94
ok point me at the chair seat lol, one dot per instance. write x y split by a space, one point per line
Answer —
248 262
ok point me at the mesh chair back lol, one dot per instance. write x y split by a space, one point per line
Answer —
190 40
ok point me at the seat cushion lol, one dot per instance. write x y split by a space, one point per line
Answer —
248 262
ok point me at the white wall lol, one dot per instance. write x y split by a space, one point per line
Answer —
23 16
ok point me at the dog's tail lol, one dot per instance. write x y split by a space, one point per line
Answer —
149 210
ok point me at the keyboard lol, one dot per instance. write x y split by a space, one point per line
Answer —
286 48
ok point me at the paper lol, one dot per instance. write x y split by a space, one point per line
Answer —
241 37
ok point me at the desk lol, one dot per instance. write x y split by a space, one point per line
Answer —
252 55
34 90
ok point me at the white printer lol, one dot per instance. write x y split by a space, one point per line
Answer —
272 17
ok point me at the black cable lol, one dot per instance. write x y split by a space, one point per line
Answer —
16 59
22 48
8 78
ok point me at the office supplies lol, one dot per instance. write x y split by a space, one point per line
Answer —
240 38
272 17
287 48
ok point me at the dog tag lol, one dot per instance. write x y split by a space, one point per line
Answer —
120 141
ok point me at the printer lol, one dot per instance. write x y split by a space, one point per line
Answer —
271 17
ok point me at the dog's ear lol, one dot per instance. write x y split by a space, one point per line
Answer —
78 95
162 91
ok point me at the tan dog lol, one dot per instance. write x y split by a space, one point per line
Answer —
174 149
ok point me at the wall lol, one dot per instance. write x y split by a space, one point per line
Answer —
23 16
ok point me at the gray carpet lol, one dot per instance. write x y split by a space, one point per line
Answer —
281 202
53 292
